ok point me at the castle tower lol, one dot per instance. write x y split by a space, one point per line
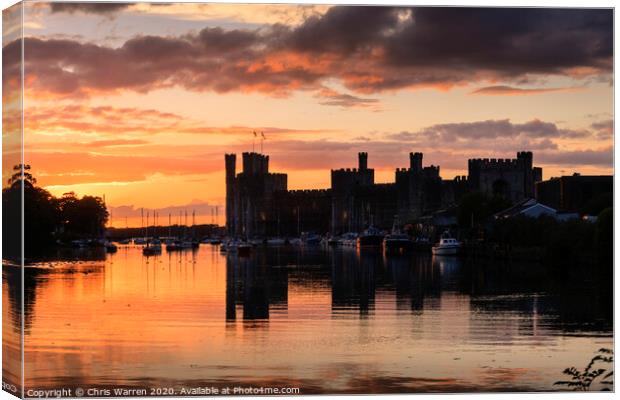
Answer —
415 161
231 170
527 161
255 164
362 161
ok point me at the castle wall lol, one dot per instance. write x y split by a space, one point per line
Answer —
258 203
513 179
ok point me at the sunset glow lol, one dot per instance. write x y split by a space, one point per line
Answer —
139 102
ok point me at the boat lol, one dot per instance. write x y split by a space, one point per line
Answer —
397 242
447 246
79 244
244 248
349 239
213 241
124 241
334 241
310 238
370 237
110 247
173 245
277 241
257 242
229 246
151 249
187 244
294 241
139 241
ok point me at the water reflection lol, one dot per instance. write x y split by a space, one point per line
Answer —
335 320
255 286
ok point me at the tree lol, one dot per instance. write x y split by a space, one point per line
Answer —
476 207
40 213
45 216
82 217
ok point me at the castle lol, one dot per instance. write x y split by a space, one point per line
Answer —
259 204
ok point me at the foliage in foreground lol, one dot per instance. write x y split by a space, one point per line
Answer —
597 372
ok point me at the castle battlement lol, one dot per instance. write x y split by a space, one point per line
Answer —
345 170
310 192
490 163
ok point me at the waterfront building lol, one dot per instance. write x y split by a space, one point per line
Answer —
573 193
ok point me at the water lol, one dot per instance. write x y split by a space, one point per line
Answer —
322 320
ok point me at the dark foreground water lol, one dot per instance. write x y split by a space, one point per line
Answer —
321 320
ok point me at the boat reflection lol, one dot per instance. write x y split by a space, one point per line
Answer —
294 314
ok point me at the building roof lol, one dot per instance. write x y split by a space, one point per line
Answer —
529 207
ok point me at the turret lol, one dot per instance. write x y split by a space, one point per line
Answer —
231 165
231 170
362 161
415 161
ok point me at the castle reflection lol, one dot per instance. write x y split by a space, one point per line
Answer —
310 309
258 284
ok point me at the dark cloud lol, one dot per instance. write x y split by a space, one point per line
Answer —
604 129
367 49
509 41
602 157
330 97
488 130
88 8
503 90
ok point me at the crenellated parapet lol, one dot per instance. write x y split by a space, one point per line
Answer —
494 163
310 192
255 163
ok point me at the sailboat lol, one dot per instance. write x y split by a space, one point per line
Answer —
152 247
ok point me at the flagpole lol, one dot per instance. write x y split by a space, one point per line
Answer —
262 139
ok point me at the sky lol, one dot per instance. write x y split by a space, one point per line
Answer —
139 102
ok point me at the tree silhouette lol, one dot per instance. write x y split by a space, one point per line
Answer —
46 218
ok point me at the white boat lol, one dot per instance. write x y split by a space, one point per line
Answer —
447 246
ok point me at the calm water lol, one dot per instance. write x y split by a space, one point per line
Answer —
321 320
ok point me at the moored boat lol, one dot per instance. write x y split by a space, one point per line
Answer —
447 246
110 247
151 249
396 242
371 237
244 248
310 238
349 239
277 241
